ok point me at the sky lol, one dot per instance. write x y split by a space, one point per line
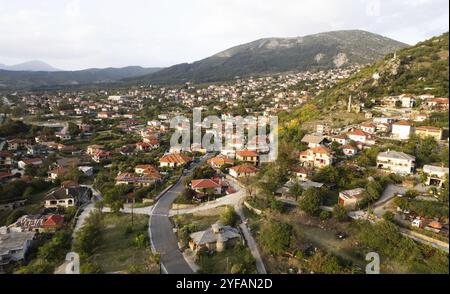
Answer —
78 34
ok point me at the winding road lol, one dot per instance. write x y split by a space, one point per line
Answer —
162 238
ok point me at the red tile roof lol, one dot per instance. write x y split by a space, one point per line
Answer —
204 184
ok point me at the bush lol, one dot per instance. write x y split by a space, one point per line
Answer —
324 215
276 236
311 201
229 217
389 216
340 213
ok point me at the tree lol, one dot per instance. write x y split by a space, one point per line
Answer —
229 217
322 263
74 130
203 172
276 236
389 216
329 174
14 216
324 215
89 268
373 191
296 190
311 201
340 213
55 250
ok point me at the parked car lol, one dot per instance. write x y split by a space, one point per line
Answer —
341 235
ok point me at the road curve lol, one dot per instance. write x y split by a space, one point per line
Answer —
161 233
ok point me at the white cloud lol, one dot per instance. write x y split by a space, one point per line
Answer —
84 33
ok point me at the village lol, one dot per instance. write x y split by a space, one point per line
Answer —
64 153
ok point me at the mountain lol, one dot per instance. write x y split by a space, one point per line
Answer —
314 52
34 65
37 79
420 69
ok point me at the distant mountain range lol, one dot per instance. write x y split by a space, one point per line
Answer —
313 52
33 65
41 79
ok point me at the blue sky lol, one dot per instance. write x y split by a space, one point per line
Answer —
76 34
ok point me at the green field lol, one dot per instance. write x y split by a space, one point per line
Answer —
117 252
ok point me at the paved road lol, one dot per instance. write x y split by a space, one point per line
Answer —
251 243
161 233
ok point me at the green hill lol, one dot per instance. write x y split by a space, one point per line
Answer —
420 69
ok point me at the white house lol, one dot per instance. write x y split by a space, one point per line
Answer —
14 245
401 130
397 162
436 175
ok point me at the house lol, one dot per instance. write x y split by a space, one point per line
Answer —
323 129
92 149
103 114
313 140
434 226
248 156
39 149
219 161
57 172
6 159
37 223
383 128
426 131
401 130
349 150
101 156
14 246
349 199
243 170
301 173
137 180
32 161
438 103
16 144
143 146
369 127
202 185
147 169
86 170
436 175
397 162
174 160
217 238
341 139
63 136
408 101
10 205
358 135
68 195
53 222
318 157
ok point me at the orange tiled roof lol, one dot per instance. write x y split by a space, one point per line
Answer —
247 153
175 158
244 169
204 184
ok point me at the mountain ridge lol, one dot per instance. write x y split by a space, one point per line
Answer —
269 55
32 65
37 79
